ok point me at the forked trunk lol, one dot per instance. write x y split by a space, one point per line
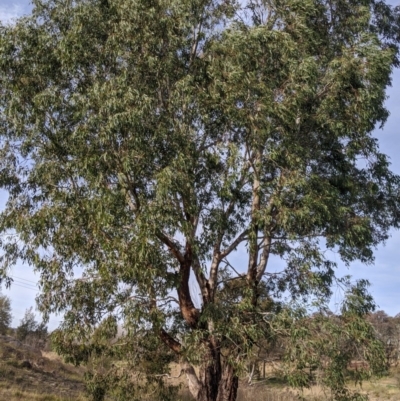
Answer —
216 381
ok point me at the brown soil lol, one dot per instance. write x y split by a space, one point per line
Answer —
26 370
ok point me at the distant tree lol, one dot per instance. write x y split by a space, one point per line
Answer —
142 142
27 325
388 331
5 314
30 330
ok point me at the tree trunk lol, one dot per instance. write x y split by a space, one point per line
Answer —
218 388
228 385
216 381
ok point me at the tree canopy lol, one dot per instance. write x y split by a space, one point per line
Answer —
144 141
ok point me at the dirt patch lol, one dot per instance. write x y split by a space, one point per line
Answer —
25 370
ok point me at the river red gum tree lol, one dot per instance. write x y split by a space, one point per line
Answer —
144 141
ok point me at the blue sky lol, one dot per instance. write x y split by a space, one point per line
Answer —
384 275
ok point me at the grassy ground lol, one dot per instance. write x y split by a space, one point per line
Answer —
26 374
384 389
256 393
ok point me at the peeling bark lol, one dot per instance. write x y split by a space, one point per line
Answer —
228 385
194 383
188 310
216 381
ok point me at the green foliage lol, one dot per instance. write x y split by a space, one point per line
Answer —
126 366
5 314
331 350
143 142
29 330
121 386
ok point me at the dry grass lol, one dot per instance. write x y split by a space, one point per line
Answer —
257 393
49 379
14 394
266 393
26 374
385 388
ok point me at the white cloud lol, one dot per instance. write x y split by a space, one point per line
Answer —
9 13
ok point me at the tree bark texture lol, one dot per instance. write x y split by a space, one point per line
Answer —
228 385
216 381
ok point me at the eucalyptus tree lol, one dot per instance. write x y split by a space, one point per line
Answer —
144 141
5 314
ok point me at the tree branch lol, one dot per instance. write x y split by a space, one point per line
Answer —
234 244
174 249
266 247
170 341
228 264
188 310
201 280
255 207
